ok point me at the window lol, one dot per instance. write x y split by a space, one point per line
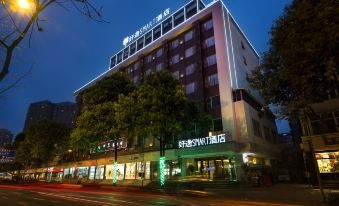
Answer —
148 38
159 52
208 42
213 102
217 124
189 35
208 25
130 171
189 52
167 25
136 65
149 58
174 59
191 9
179 17
210 60
190 88
256 128
174 44
190 69
212 80
126 52
159 67
119 57
176 74
156 32
113 61
132 48
140 43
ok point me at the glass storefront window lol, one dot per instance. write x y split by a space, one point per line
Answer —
130 170
80 172
148 170
140 170
176 169
91 172
328 162
99 174
120 171
109 171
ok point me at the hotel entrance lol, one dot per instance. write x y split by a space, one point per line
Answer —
216 168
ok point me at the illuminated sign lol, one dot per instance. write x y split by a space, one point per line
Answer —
110 145
217 139
146 27
6 155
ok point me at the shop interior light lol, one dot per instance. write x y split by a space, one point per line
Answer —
162 170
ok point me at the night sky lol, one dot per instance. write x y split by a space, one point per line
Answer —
72 50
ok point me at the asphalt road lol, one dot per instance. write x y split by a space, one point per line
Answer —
36 195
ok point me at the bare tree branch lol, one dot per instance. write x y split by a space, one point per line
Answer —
20 78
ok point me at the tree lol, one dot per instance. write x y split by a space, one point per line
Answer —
107 90
96 122
19 19
43 141
301 65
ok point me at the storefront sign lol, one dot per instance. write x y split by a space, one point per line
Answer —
146 27
110 145
217 139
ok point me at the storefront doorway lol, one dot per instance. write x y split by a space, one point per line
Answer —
215 168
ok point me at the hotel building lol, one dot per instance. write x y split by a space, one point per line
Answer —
206 50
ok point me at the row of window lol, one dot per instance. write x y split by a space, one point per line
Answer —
269 134
161 29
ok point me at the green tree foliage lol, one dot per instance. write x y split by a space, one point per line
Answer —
43 141
107 90
301 66
97 121
94 126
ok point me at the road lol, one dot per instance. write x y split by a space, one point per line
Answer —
50 195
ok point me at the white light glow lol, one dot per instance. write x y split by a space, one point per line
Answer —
23 4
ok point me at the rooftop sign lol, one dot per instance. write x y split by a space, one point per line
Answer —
146 27
197 142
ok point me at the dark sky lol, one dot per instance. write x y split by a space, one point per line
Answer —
72 50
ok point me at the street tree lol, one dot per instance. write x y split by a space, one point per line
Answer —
20 19
43 142
301 65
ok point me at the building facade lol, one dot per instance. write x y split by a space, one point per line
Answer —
6 137
64 112
320 141
206 50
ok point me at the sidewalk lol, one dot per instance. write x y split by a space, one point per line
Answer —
300 194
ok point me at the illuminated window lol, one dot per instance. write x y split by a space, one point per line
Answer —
159 67
174 59
132 48
156 32
149 58
208 42
208 25
179 17
148 38
130 171
174 44
190 88
189 35
212 80
176 74
210 60
159 52
190 69
189 52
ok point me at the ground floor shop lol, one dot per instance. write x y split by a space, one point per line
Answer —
212 162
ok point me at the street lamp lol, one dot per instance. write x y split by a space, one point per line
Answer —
23 4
